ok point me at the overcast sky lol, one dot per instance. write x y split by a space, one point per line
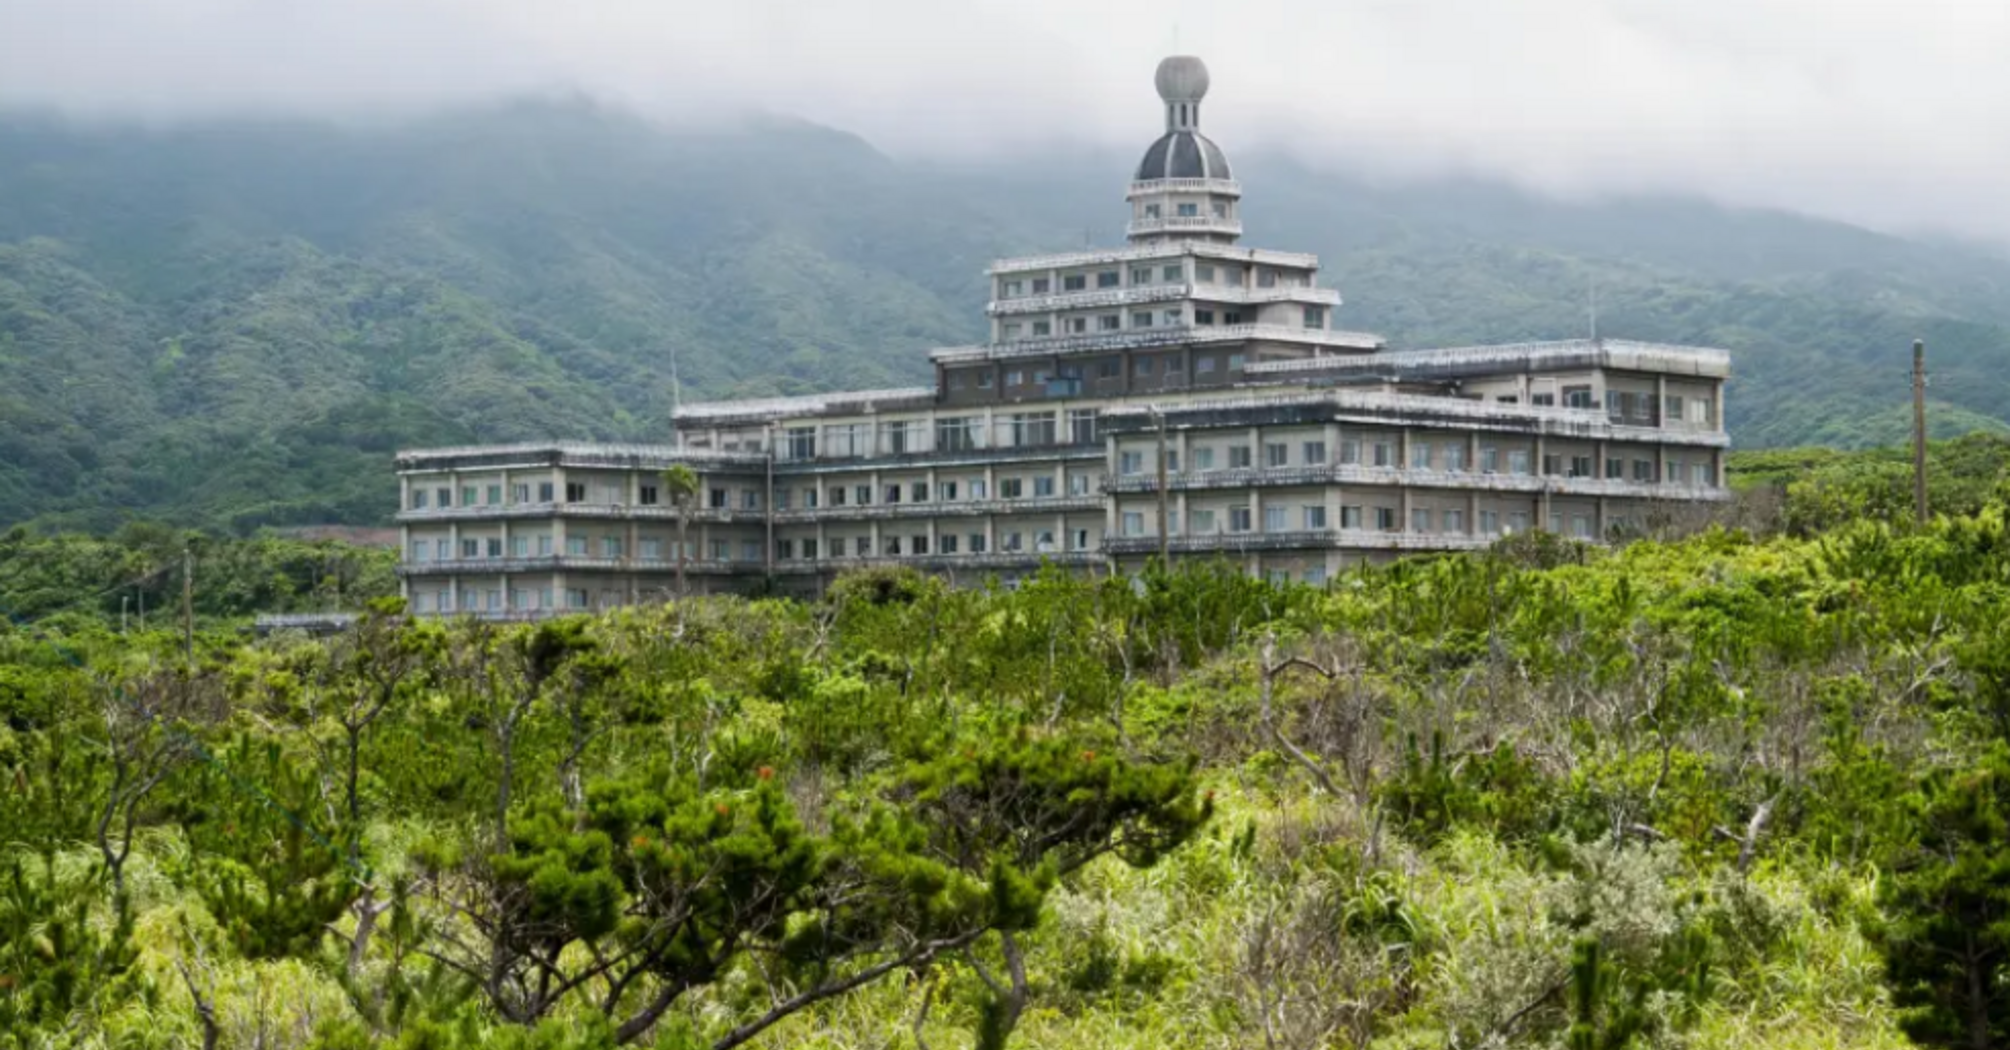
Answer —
1893 113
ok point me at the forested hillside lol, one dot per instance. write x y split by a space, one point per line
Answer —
1727 791
233 324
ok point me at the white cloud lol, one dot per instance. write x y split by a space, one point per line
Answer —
1888 114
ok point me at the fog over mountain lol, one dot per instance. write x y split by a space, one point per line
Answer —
1879 114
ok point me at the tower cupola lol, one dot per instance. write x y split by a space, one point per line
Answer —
1183 189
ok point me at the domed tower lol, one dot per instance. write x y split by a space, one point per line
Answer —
1184 190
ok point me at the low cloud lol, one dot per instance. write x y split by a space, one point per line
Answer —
1895 116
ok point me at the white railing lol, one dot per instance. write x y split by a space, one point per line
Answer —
811 404
1620 353
578 454
1414 477
1205 249
1223 187
1155 293
1185 223
1144 338
1313 539
502 511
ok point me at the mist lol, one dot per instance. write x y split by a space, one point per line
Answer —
1891 116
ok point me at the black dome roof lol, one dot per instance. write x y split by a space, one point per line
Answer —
1184 155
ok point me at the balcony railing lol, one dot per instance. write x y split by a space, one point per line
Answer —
564 563
1223 187
1170 224
1158 293
1318 539
942 562
599 511
1146 338
1111 256
940 509
1410 477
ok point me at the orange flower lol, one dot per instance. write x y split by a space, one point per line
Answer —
641 841
766 773
722 810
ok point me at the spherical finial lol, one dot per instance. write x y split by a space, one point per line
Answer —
1182 78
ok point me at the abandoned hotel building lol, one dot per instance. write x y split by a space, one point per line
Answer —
1181 393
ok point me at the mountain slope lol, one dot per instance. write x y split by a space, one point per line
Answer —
233 324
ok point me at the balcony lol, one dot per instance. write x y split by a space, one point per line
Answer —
1089 300
942 509
944 562
1148 338
1172 225
566 563
1326 539
1109 256
596 511
1150 187
1355 474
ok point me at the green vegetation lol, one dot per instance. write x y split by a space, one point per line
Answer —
1719 791
233 325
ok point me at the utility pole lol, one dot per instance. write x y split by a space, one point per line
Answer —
1165 538
188 606
1919 429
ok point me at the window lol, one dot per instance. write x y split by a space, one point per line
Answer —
1011 289
1675 472
1042 285
1350 517
948 544
1082 426
750 499
861 495
468 494
1238 457
1172 461
781 499
1518 521
984 379
1273 519
652 550
1080 540
1508 399
544 492
1171 272
918 544
946 491
1580 526
1581 467
1238 519
1203 272
1172 319
575 546
443 498
1110 323
1314 516
1141 275
1702 475
1556 522
1011 488
519 546
1673 409
1546 399
1143 365
1200 521
1031 429
978 490
1077 325
917 492
1384 453
418 499
810 549
1151 211
471 548
1109 279
1013 542
519 493
1130 462
1350 452
1420 520
892 545
1203 458
1315 317
1455 521
1074 282
1043 485
1203 366
1517 461
1015 378
1234 360
1221 209
610 546
1276 454
956 434
802 441
1615 469
1043 541
1455 458
1552 464
1041 328
892 493
1643 470
837 495
1189 210
1385 519
1011 330
785 549
1078 484
1231 317
646 495
1266 278
421 551
1316 576
1141 319
1490 523
977 543
544 546
443 549
861 546
1578 397
717 499
494 495
1490 459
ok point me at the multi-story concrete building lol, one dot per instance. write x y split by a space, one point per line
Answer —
1181 395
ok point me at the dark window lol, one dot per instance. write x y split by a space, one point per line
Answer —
575 492
648 495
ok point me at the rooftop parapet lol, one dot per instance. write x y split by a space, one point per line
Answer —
570 454
1507 357
758 410
1203 249
1148 338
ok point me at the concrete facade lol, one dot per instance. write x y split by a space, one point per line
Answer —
1284 442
